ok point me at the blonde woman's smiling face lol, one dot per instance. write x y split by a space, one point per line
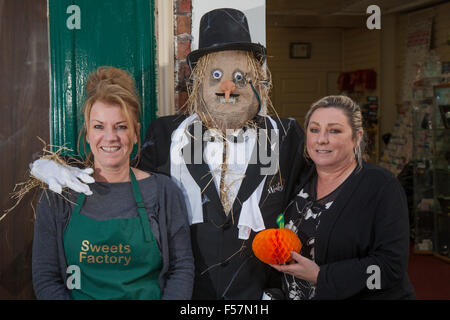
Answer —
109 137
329 138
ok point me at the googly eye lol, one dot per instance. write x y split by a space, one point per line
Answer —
217 74
238 76
240 79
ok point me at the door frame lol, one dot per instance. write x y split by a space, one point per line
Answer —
165 55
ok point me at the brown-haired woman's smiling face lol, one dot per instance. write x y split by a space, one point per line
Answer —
329 138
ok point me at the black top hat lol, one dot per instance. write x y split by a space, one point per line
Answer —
224 29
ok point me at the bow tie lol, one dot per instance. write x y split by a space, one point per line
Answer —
217 137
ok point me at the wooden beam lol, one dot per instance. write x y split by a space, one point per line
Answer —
314 21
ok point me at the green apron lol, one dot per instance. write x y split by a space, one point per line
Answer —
118 258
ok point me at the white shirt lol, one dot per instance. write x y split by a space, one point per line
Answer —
237 159
238 156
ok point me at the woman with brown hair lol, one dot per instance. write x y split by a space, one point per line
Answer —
130 239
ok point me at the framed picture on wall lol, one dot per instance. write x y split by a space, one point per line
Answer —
445 67
445 115
300 50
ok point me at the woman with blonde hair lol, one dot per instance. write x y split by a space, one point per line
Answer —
130 239
351 216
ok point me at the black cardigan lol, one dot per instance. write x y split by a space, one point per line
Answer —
366 225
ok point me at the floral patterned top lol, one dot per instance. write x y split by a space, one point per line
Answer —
303 216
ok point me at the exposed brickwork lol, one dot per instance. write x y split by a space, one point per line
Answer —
183 25
183 39
183 75
184 6
183 48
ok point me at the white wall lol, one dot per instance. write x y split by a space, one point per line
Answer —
255 10
165 52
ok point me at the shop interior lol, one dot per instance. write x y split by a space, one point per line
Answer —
400 76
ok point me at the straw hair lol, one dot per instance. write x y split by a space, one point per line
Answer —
354 116
23 188
259 75
113 86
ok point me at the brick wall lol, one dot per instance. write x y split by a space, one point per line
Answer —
183 38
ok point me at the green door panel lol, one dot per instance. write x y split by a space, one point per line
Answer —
109 32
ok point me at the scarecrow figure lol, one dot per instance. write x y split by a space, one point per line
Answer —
236 165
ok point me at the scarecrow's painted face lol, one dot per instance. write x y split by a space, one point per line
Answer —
227 96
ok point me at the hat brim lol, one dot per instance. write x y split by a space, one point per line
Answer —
257 49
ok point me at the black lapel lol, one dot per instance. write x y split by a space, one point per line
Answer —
253 175
199 169
328 220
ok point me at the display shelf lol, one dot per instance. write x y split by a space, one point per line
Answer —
431 167
441 158
439 256
424 252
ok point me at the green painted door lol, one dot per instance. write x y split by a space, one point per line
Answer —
86 34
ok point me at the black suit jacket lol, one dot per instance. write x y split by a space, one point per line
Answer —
225 265
367 225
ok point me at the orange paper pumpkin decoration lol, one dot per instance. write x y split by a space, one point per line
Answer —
274 246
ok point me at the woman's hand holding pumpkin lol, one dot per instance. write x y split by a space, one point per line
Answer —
301 267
